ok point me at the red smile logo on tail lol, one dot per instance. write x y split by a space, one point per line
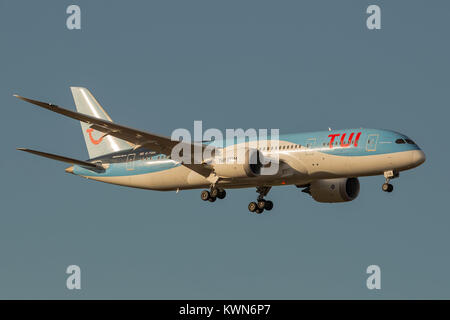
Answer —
92 139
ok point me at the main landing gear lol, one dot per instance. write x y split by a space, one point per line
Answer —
387 187
261 204
213 194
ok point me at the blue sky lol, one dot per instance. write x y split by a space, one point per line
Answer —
160 65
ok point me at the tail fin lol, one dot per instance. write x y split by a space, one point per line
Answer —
96 143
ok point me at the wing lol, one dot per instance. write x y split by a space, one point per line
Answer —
138 138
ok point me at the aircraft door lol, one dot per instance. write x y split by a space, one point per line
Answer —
372 141
130 161
310 144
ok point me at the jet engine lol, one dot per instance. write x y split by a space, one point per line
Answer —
231 166
334 190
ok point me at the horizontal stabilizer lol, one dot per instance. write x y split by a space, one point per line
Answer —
85 164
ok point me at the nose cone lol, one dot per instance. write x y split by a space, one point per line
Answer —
418 157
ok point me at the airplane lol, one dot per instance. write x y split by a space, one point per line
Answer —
324 164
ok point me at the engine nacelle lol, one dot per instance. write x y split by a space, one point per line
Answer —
334 190
233 168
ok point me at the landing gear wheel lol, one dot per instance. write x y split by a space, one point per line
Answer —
252 206
387 187
212 199
261 204
222 193
214 192
205 195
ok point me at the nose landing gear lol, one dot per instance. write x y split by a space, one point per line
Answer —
391 174
387 187
261 204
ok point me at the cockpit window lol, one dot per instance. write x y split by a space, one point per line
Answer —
409 141
400 141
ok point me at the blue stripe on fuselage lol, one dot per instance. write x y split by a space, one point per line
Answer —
320 141
370 142
127 169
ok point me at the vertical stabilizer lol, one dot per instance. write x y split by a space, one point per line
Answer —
96 143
